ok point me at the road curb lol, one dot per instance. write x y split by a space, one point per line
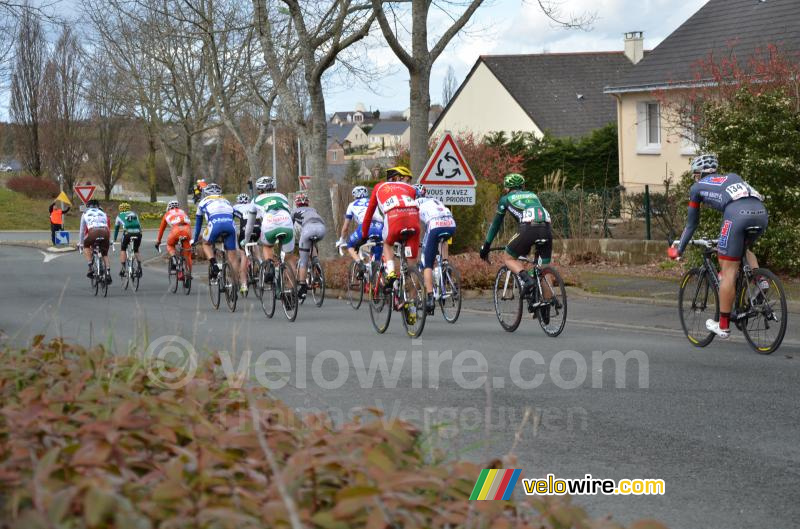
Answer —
39 245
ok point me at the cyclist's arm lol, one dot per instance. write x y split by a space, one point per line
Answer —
692 218
117 224
497 222
345 227
161 229
373 203
82 229
251 222
198 224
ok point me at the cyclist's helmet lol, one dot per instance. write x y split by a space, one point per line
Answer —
124 206
93 204
705 164
301 199
513 181
360 192
212 189
420 189
265 183
173 204
243 198
398 172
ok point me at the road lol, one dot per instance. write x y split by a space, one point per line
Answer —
719 425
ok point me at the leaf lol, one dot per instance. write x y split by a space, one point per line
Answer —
46 465
377 458
97 505
357 492
168 491
92 454
326 520
60 504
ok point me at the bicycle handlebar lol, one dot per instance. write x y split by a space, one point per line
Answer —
705 243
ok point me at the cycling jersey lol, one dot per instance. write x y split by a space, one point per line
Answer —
358 208
741 206
305 215
439 223
397 202
311 226
218 214
180 226
273 201
129 222
534 224
276 220
431 209
93 219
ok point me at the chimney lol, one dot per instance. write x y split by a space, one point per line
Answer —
634 46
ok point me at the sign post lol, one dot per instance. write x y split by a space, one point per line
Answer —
447 176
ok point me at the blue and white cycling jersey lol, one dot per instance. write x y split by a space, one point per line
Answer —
218 214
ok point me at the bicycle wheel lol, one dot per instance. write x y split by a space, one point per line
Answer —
172 276
103 279
253 275
266 282
95 279
553 316
230 286
413 297
767 313
126 281
288 295
698 301
136 277
380 303
507 299
215 290
450 300
187 276
355 287
318 283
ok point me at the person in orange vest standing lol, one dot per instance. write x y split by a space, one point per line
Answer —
56 219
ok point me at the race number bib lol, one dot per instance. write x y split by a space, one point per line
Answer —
537 214
444 222
395 201
737 191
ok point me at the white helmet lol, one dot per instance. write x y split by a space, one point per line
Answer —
360 192
243 198
265 183
707 163
173 204
212 189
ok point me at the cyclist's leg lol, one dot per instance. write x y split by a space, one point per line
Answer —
352 244
137 242
123 251
104 246
376 231
229 243
520 245
730 250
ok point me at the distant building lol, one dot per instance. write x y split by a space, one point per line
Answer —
348 135
335 152
391 136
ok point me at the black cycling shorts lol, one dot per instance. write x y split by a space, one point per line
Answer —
520 244
135 238
737 217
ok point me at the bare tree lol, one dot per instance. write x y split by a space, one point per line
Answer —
111 126
449 86
26 85
419 61
63 145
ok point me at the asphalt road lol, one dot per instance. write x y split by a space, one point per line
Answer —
719 425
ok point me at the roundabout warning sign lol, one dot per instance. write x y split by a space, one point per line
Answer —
447 175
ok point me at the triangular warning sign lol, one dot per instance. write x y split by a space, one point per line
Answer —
85 192
447 166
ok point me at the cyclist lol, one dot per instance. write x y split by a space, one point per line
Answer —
95 224
396 200
309 224
218 214
131 233
355 211
240 212
437 221
180 226
742 207
197 191
534 224
277 219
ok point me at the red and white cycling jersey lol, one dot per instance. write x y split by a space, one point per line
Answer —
398 204
176 217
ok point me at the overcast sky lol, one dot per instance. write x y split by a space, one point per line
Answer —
518 26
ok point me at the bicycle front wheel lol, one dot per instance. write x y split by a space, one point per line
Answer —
507 299
289 298
215 289
450 300
230 286
266 283
552 316
317 283
355 287
413 297
698 301
380 303
172 275
126 281
136 277
767 312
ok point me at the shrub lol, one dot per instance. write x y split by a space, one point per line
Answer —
33 187
89 440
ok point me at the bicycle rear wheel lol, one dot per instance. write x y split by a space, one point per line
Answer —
267 286
95 279
172 276
317 283
126 281
355 287
230 286
413 297
507 299
767 312
253 276
289 298
187 276
450 300
136 277
553 316
215 289
380 303
698 301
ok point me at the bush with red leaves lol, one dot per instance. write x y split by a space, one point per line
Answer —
33 187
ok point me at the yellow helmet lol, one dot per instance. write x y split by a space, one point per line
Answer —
398 172
124 206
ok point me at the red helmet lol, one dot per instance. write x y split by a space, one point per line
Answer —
301 199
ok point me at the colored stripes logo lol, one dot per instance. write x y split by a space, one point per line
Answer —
494 484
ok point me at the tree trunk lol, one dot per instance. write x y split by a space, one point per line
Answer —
151 165
420 107
320 183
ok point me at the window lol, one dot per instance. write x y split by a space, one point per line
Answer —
648 127
333 155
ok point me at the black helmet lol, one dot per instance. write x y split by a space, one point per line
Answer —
93 203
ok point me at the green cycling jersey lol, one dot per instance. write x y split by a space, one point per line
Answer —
129 221
273 202
524 206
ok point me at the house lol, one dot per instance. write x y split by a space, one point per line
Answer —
559 93
335 152
390 135
349 135
359 116
652 145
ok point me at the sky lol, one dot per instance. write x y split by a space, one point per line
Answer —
513 27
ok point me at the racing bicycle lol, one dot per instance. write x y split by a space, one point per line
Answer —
133 269
446 284
100 274
360 275
760 313
253 268
547 301
315 274
406 296
178 269
224 281
278 286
